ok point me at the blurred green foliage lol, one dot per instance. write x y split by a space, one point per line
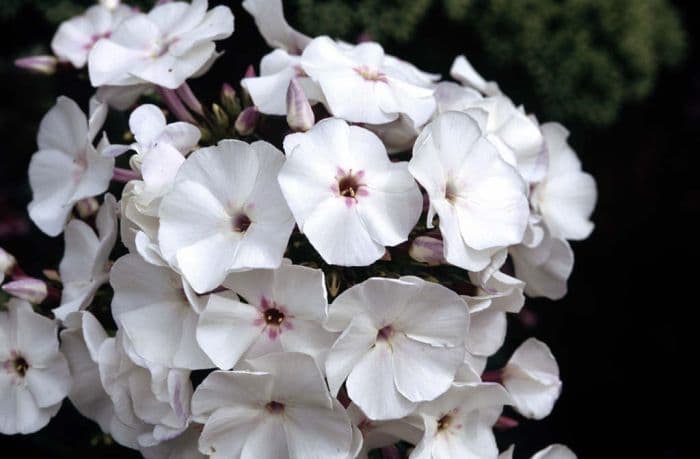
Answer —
581 60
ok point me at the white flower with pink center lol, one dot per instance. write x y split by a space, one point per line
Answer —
402 343
347 197
170 44
283 311
67 167
459 423
34 375
75 37
361 84
225 213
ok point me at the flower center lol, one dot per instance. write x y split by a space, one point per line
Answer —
274 316
350 184
444 422
18 364
385 333
241 223
274 407
370 74
451 192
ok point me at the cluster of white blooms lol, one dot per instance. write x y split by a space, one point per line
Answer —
343 290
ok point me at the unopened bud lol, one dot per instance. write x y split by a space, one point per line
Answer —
7 262
229 100
506 423
28 288
426 249
247 120
249 72
333 283
87 207
220 117
110 4
187 96
38 64
300 116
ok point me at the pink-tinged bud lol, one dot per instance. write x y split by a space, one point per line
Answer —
220 117
247 120
505 423
38 64
249 72
87 207
7 262
300 116
122 175
187 96
30 289
426 249
229 100
227 91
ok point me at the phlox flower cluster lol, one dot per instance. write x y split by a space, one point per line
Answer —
338 293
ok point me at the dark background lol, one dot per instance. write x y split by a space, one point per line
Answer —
619 334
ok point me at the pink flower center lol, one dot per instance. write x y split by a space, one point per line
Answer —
17 364
370 74
274 318
350 185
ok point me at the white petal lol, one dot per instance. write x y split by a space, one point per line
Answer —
226 329
316 432
371 385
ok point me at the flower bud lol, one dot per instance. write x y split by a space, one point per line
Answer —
28 288
300 116
229 100
87 207
38 64
426 249
7 262
333 283
249 72
220 117
187 96
247 120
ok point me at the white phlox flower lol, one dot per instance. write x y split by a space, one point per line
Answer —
516 135
279 407
80 343
488 306
567 195
85 264
347 197
402 343
152 400
360 84
225 213
67 167
542 261
151 305
166 46
75 37
160 151
34 374
459 423
284 310
531 376
480 199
